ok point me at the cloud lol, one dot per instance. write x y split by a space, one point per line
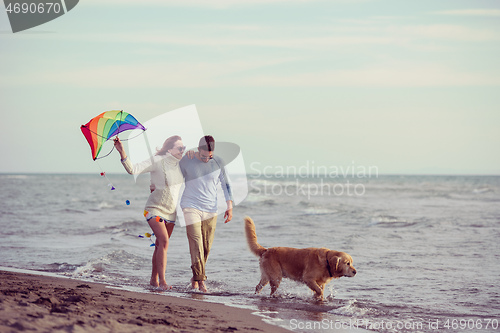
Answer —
275 42
471 12
445 32
320 37
304 37
389 75
148 75
239 73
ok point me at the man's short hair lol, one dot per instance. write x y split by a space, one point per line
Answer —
207 143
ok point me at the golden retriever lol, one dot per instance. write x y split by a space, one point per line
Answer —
313 266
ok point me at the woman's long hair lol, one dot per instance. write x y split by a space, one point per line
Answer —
168 144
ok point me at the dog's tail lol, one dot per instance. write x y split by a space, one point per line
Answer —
255 247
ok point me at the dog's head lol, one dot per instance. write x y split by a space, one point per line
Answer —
340 264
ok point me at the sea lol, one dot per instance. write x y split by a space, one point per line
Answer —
426 248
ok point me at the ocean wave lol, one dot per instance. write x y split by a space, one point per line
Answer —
318 211
70 210
391 221
106 205
353 309
378 317
57 267
126 226
14 176
482 190
111 268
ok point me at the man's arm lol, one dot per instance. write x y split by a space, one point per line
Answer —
228 215
182 166
228 193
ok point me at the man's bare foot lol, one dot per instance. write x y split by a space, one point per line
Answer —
194 284
203 287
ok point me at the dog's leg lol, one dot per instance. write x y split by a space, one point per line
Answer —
274 273
315 287
263 282
322 286
275 283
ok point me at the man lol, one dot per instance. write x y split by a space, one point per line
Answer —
202 174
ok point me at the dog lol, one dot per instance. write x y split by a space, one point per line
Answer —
313 266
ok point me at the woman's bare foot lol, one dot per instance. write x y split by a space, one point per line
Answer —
165 287
154 282
203 287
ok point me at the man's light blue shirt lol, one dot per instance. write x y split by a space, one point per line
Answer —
201 180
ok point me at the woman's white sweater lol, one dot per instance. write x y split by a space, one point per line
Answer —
167 178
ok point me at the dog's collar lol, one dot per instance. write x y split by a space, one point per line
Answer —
328 267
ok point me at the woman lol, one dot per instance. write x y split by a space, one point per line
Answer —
166 176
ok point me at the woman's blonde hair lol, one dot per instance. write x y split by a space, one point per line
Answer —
168 144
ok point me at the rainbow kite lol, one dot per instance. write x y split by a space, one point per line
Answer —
106 125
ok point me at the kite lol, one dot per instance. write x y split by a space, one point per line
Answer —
105 126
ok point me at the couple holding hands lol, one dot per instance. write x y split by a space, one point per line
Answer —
201 172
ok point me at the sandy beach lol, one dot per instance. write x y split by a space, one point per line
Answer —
51 304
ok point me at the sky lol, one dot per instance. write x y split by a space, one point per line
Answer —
406 87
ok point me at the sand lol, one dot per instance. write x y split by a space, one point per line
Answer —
51 304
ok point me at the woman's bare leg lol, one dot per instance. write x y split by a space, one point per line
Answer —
162 233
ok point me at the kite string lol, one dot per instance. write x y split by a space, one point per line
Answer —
98 158
104 175
133 136
120 140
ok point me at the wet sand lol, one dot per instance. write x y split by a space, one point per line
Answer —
41 303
